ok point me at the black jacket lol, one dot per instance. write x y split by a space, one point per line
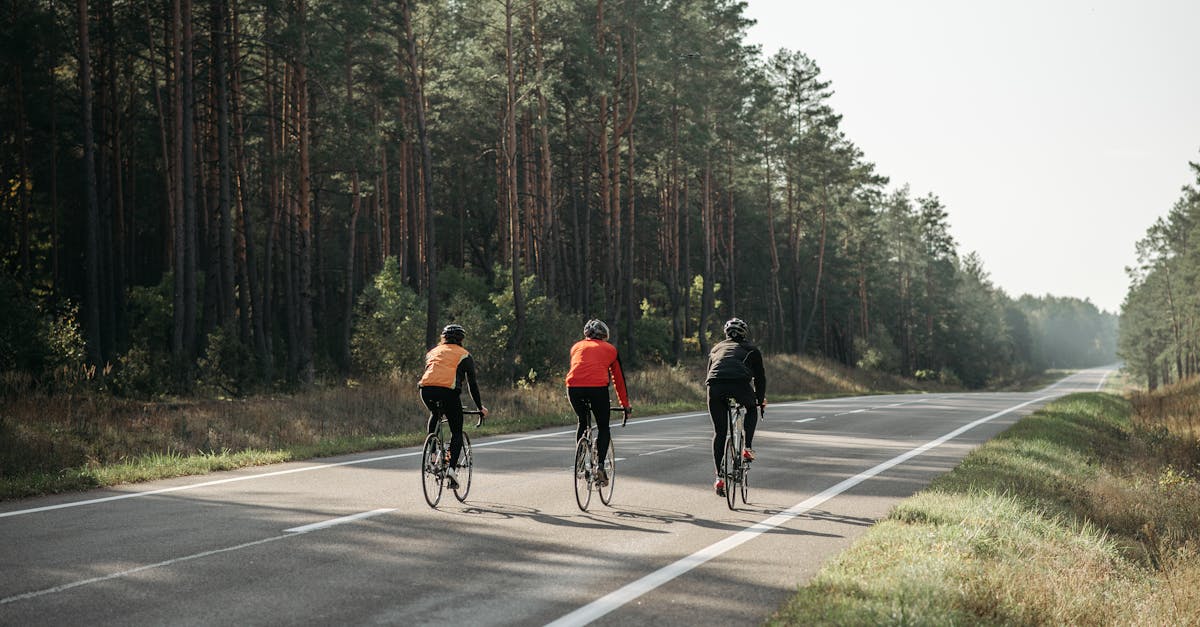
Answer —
732 361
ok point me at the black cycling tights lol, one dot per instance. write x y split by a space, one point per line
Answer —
596 400
718 394
447 402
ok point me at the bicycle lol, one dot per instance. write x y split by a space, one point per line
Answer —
435 458
734 468
586 467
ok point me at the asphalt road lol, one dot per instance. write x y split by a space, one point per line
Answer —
350 540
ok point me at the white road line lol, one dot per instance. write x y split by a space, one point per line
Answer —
807 419
631 591
338 521
674 448
76 584
205 484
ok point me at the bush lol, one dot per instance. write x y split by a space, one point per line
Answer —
878 352
389 325
228 364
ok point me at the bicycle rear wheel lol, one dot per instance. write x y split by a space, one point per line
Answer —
729 470
744 480
610 469
583 473
432 469
465 462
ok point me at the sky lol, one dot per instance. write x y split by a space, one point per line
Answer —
1055 132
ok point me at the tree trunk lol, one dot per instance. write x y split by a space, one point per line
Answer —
430 258
94 353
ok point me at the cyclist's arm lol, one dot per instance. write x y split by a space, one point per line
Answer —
467 367
755 361
618 378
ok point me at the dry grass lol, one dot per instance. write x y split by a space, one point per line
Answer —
65 442
1085 513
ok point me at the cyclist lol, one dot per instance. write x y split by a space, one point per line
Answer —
735 370
447 366
594 363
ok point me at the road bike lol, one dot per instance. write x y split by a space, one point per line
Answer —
586 467
435 458
735 469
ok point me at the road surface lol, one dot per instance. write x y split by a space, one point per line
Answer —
350 540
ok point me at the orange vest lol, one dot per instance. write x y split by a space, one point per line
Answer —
441 366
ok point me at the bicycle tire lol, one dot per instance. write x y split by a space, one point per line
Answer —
729 470
466 462
432 469
583 473
610 468
744 481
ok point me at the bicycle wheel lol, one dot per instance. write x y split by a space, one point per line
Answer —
744 480
465 462
729 463
610 469
432 465
583 473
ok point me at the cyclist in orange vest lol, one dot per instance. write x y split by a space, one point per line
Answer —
594 363
447 366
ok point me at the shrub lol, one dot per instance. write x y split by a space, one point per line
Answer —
389 325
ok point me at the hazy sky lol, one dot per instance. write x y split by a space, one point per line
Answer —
1055 132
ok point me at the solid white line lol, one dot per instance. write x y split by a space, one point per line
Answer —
1103 379
204 484
674 448
76 584
338 521
806 420
631 591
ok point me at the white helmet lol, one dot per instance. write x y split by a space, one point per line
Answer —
595 330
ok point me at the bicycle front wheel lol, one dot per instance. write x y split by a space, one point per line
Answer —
433 465
610 469
465 462
732 472
583 473
744 480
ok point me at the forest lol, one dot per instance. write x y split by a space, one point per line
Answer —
1160 333
257 196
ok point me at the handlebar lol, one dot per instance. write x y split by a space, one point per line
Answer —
625 410
475 412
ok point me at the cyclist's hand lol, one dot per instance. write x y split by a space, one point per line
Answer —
483 412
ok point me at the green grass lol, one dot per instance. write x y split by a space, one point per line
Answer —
1047 524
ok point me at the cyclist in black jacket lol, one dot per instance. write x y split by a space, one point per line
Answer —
735 370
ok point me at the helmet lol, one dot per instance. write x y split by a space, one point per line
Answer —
595 330
736 328
454 333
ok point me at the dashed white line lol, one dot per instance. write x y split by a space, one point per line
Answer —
806 420
665 450
338 521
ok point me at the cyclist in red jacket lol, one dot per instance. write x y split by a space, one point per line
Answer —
594 363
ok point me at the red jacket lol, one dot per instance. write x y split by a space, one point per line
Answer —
594 363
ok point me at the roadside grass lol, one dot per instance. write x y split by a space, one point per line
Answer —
59 443
1086 512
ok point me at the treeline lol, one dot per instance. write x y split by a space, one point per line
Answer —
1160 331
255 193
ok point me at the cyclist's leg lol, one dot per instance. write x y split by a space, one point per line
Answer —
600 408
745 396
716 410
581 403
454 417
433 402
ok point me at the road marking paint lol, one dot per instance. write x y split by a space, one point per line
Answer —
338 521
614 600
76 584
808 419
674 448
353 462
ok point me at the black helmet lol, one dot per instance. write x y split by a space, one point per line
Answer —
595 330
454 333
736 329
